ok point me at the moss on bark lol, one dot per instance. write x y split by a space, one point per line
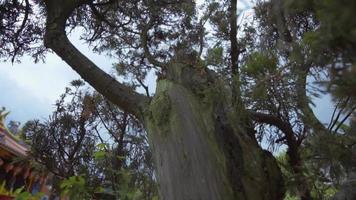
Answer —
201 147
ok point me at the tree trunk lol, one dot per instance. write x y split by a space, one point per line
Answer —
347 190
200 142
201 148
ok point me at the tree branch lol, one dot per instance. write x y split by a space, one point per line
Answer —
344 119
274 121
18 32
234 52
56 39
341 109
145 87
144 42
286 128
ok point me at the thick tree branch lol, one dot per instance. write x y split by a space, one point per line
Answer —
56 39
234 52
294 160
274 121
286 128
234 55
144 42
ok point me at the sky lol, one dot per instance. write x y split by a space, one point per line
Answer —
29 90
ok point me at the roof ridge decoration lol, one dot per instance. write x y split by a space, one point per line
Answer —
8 140
3 115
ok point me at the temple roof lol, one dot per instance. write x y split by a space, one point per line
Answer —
9 141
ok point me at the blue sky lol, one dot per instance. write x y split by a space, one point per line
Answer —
30 90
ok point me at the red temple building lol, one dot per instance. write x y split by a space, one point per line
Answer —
13 174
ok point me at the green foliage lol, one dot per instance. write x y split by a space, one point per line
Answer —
14 193
3 190
215 55
72 142
75 188
28 196
19 193
99 155
101 152
321 188
337 27
289 197
333 41
260 64
259 92
337 22
257 71
332 151
288 175
127 192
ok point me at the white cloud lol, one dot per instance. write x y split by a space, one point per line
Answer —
29 90
22 104
43 80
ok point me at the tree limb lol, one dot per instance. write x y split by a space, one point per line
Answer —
334 122
56 39
234 52
145 87
18 32
344 119
274 121
144 42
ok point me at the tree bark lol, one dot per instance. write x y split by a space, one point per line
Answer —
234 52
294 158
347 190
56 39
199 150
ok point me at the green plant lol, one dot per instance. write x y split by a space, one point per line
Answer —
75 188
127 192
19 193
28 196
4 191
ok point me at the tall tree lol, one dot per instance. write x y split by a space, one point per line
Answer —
202 142
292 45
89 138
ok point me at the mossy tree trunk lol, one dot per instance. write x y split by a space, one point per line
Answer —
201 142
202 148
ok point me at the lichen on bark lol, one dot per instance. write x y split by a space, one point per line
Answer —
202 149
